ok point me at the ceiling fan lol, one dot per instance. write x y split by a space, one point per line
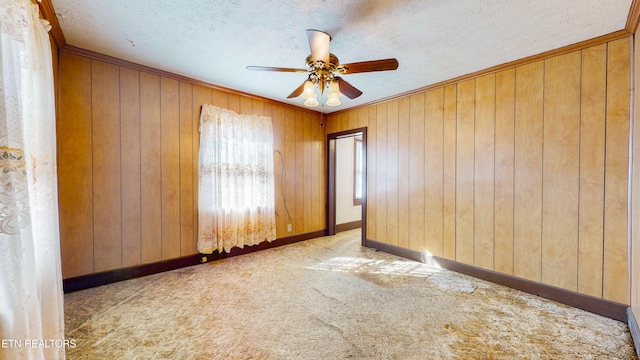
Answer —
323 67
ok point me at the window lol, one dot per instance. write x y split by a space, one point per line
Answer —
236 203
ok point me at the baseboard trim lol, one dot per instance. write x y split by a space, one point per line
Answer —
111 276
633 329
610 309
348 226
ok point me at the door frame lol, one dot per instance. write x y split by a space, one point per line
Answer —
331 180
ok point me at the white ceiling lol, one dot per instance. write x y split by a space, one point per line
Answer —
433 40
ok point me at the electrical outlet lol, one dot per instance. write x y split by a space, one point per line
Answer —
289 228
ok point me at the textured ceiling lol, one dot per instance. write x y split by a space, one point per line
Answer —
433 40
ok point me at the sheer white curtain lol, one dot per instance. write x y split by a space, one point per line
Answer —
31 300
236 205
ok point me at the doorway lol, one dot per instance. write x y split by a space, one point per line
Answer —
360 177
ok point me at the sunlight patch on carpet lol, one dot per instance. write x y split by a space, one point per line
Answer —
453 283
371 266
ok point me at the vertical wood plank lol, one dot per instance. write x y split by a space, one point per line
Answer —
352 119
336 123
150 149
186 169
372 165
317 153
404 108
107 215
170 167
298 124
289 123
308 190
561 172
337 119
130 166
332 124
416 173
329 124
267 109
504 171
363 117
484 199
592 139
634 236
257 108
381 173
246 105
528 171
279 168
233 102
343 121
75 181
465 172
221 99
615 267
449 172
322 137
434 171
393 158
201 96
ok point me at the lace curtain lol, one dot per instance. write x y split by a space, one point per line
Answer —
31 300
236 205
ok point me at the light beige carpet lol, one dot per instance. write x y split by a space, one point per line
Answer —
329 298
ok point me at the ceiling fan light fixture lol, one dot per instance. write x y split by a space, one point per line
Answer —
333 94
322 67
309 90
334 88
312 101
333 101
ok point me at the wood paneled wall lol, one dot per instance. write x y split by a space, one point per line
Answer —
524 171
635 187
128 164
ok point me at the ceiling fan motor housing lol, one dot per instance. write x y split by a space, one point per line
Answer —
318 65
319 71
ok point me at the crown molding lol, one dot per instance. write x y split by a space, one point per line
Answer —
634 17
48 13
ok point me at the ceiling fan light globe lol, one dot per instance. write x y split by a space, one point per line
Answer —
334 88
333 94
333 101
311 102
309 91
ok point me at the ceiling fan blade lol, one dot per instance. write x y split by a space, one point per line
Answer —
369 66
297 92
319 45
347 89
280 69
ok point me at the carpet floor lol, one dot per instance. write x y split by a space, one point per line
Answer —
329 298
